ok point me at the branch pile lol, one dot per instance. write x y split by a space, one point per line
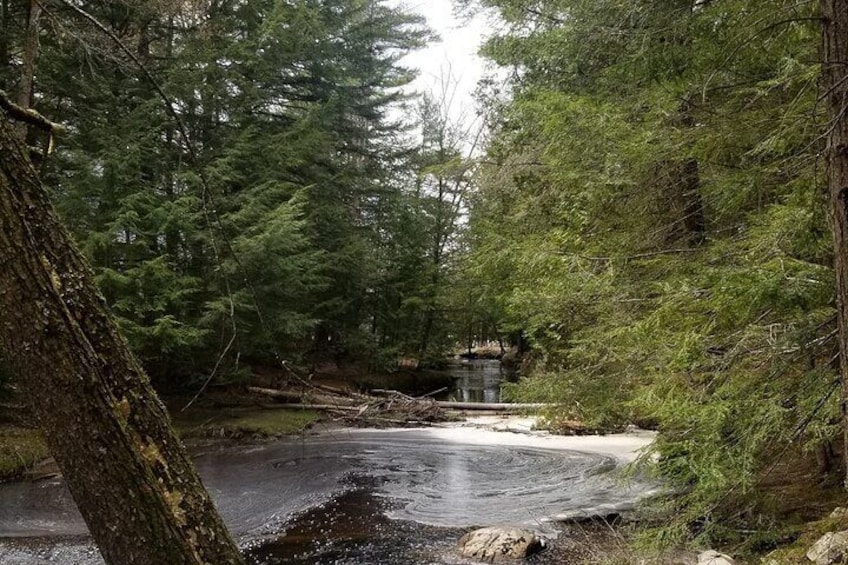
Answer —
383 407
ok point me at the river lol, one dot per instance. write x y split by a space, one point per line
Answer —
360 496
357 497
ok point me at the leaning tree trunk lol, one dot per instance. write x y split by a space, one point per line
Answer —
109 433
834 25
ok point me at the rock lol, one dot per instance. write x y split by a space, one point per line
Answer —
839 513
831 548
713 557
496 544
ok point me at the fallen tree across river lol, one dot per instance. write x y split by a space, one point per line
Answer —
358 406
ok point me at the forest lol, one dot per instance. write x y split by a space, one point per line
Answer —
648 223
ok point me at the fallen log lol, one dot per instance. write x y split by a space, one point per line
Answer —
291 406
304 397
502 407
338 391
274 393
389 400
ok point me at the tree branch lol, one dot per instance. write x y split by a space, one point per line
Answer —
28 115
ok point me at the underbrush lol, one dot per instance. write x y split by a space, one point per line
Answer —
237 423
747 455
20 450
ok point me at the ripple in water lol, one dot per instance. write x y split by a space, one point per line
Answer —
461 486
421 478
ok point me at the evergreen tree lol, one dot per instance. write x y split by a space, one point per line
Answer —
254 217
651 218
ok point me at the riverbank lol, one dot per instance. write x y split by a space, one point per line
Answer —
23 452
232 421
228 413
414 491
584 538
235 418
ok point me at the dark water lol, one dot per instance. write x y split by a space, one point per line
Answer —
477 380
350 497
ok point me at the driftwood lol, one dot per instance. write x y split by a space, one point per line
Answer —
391 407
387 392
275 393
382 405
502 407
299 406
434 393
333 390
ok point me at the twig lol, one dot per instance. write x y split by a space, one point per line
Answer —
434 393
390 393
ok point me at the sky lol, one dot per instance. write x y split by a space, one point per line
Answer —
454 57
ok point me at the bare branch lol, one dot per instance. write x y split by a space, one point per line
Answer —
28 115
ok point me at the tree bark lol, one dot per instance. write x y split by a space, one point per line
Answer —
5 33
109 433
30 56
834 28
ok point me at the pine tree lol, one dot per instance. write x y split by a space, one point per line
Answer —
650 218
289 152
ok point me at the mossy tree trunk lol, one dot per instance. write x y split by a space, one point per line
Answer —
130 476
834 25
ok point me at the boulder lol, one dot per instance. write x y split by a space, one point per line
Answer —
496 544
713 557
839 513
830 549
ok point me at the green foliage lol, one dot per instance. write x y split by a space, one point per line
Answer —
280 214
20 450
650 218
239 423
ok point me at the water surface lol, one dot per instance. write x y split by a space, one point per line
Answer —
359 496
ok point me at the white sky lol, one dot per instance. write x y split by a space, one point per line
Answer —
454 57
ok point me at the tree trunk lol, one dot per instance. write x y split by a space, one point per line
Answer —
30 56
128 473
834 26
5 38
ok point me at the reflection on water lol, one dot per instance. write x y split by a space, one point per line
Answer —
354 529
354 497
477 380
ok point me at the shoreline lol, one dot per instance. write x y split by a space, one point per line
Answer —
472 436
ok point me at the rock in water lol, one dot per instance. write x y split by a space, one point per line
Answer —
831 548
713 557
495 544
